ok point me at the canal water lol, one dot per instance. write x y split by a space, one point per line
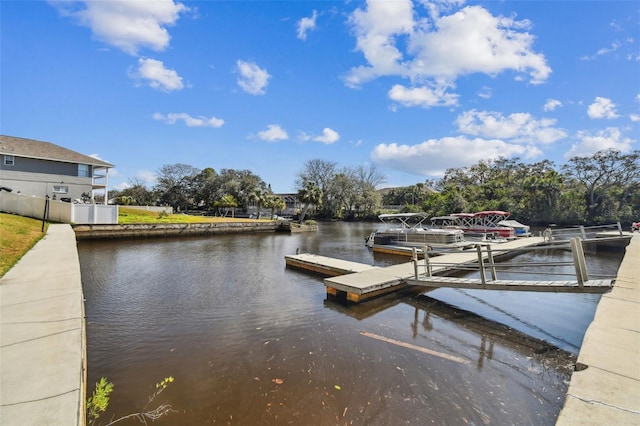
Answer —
251 342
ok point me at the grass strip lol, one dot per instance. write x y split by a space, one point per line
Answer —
17 235
129 215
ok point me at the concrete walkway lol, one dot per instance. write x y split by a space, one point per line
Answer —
607 390
42 335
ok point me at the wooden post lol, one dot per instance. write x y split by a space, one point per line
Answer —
427 265
492 264
414 259
620 229
483 278
582 231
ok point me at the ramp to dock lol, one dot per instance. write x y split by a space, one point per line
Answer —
376 281
592 286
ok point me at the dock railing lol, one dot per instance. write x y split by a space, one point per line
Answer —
585 233
485 262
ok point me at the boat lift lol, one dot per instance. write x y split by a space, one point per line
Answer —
485 262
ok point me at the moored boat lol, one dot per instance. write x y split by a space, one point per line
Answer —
485 224
520 229
408 230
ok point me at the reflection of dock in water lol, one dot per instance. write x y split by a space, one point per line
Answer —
490 332
455 330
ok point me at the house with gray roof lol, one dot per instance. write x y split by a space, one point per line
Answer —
38 168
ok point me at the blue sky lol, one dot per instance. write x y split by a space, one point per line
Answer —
414 87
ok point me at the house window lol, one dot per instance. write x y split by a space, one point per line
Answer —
8 160
83 170
60 189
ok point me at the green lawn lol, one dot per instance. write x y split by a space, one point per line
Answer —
17 235
129 215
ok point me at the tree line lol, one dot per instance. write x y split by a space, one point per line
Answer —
601 188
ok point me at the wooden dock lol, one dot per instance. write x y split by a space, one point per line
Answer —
360 282
327 266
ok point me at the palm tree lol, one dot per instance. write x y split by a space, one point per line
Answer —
274 202
226 202
257 197
309 194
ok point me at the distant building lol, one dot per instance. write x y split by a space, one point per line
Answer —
39 168
292 204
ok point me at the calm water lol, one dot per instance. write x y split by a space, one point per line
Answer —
251 342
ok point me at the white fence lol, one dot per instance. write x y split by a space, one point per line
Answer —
84 214
59 211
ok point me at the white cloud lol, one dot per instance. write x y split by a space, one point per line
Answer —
307 24
603 51
552 104
634 117
147 176
157 75
590 143
97 157
126 24
602 108
517 127
273 133
252 79
434 156
328 137
440 49
189 121
485 92
422 96
120 186
376 29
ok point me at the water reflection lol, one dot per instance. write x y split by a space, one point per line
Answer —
251 342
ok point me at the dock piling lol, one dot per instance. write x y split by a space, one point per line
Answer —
483 277
492 264
427 265
579 261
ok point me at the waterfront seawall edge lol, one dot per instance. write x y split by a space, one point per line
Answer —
43 347
604 388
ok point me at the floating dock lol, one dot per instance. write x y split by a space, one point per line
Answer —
326 266
360 282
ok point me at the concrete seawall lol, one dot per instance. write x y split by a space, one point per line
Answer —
42 335
605 388
151 230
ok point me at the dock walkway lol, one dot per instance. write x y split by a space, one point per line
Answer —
605 389
592 286
371 281
42 343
